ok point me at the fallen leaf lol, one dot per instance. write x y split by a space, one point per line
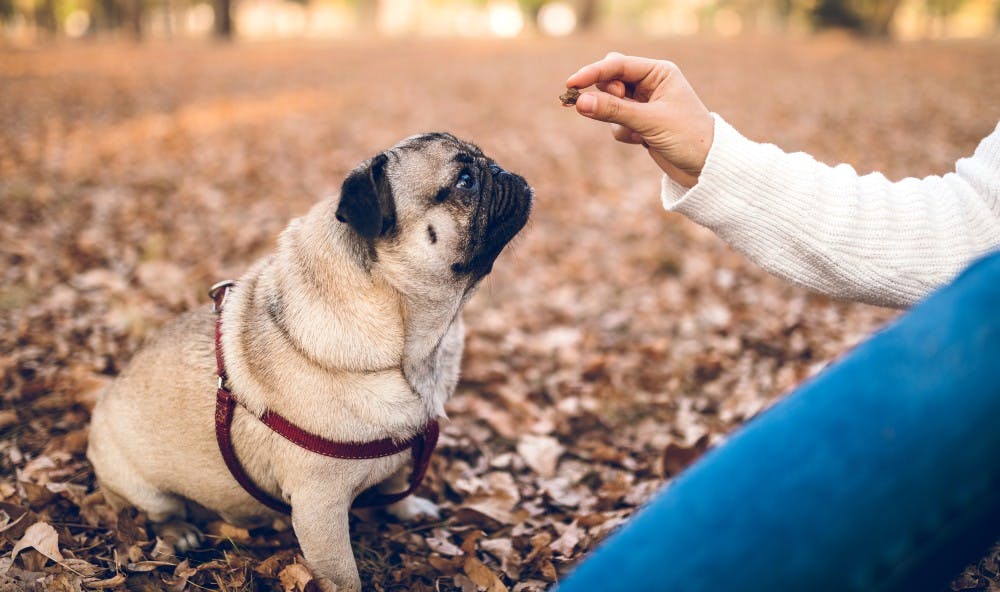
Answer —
541 453
482 575
147 566
548 570
228 531
270 566
41 537
7 419
163 550
531 586
568 541
182 573
11 516
112 582
503 550
439 543
677 457
464 583
494 505
81 567
295 577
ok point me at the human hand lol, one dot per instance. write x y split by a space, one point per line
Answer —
650 103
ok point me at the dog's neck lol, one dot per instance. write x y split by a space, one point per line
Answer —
329 310
432 354
421 335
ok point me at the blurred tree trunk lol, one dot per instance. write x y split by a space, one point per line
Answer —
109 17
880 22
168 18
870 17
784 10
6 10
45 18
588 11
135 11
368 14
223 27
939 15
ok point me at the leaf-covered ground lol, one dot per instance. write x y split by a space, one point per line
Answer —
613 343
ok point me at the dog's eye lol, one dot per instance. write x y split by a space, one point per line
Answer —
466 181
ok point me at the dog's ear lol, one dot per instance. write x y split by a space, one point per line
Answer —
366 201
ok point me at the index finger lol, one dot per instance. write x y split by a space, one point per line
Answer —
628 69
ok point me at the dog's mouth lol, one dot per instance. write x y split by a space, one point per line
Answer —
501 213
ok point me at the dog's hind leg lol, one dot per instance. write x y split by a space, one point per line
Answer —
122 486
410 507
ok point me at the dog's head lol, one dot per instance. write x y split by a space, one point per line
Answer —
433 212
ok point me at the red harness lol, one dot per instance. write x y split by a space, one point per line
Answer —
225 404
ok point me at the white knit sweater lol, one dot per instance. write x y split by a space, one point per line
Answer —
836 232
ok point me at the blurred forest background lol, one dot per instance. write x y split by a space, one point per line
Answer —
142 160
31 20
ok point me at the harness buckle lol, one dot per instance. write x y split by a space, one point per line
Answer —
219 292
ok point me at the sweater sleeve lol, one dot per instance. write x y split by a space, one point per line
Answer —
831 230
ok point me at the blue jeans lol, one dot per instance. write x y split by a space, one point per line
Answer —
882 473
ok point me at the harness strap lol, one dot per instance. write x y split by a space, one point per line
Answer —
422 445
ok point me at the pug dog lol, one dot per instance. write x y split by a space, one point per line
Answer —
351 330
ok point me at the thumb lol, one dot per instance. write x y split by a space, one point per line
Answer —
605 107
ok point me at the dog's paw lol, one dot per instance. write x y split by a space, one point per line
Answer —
184 536
413 507
326 585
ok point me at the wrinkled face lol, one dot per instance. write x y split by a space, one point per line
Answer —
434 212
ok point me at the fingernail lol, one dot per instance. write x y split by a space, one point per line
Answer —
587 104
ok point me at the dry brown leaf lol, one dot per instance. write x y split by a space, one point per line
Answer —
295 577
182 573
539 546
81 567
270 566
147 566
503 550
41 537
12 516
439 543
494 505
482 575
464 583
6 490
471 540
7 419
163 550
112 582
676 457
547 570
228 531
541 453
531 586
568 541
445 565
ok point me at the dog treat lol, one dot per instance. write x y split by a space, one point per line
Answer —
570 96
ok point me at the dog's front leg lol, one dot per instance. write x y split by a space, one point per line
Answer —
321 525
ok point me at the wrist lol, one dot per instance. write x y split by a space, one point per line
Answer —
701 143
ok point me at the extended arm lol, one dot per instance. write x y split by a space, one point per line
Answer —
831 230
